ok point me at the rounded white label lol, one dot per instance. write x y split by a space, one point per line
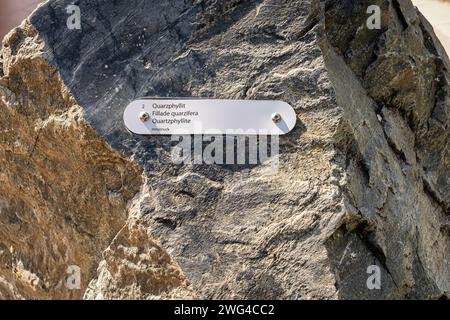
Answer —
208 116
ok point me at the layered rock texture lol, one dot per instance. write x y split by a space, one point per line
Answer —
363 179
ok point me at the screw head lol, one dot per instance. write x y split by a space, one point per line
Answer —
144 116
276 117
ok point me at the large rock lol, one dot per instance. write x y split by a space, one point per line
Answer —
363 179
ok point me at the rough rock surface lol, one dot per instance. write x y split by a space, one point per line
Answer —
363 178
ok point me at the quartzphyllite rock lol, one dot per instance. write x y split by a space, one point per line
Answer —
363 179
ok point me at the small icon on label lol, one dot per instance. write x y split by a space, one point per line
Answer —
144 116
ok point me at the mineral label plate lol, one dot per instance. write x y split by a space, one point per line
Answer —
156 116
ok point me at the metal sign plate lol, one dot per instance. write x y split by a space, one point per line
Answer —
206 116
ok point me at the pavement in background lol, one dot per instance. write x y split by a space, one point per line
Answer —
438 13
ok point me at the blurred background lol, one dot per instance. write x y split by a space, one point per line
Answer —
12 12
438 13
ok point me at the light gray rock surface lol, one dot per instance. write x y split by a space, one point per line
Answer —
363 178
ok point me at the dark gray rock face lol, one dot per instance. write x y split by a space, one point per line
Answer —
363 178
117 55
402 77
